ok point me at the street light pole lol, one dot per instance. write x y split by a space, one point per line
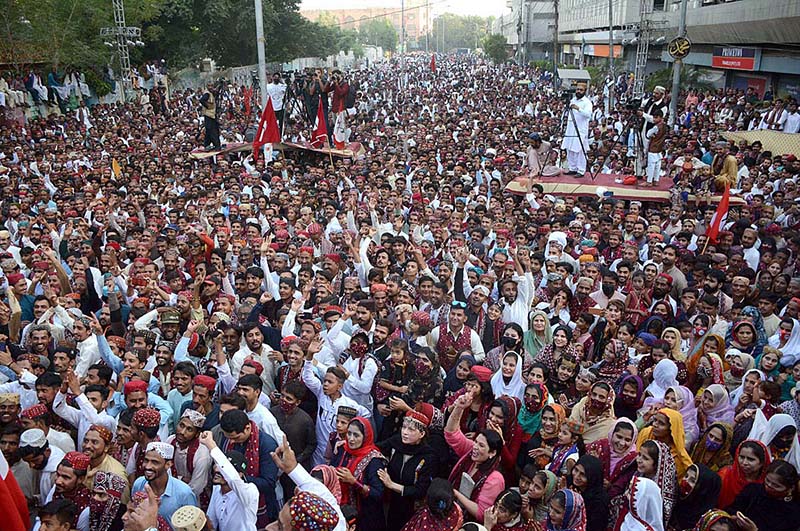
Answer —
676 70
611 54
262 56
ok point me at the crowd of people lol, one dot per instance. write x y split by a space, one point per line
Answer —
394 342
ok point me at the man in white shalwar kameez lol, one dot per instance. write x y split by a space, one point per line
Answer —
577 131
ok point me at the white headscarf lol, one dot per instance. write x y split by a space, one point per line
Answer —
514 388
765 431
737 394
665 375
646 506
791 351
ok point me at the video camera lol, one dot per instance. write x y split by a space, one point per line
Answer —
567 95
634 104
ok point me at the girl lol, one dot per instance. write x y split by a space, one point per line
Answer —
681 399
511 342
440 512
749 466
587 478
569 448
655 462
394 380
505 514
427 384
475 478
615 359
458 375
630 397
562 383
713 447
530 414
673 338
566 512
535 504
479 390
617 453
643 508
539 447
502 419
508 380
768 363
637 303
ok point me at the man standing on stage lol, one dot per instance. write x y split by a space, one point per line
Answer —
208 102
576 139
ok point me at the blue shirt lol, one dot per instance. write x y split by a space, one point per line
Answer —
176 495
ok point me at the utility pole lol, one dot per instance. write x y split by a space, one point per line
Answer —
611 55
555 44
427 25
676 70
124 36
403 27
262 57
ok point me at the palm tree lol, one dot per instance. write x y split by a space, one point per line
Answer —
691 77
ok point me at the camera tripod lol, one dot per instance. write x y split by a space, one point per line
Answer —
569 113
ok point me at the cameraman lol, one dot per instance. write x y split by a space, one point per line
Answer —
576 138
314 86
340 88
208 106
277 91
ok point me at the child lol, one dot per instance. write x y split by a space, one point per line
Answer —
637 303
562 385
343 417
394 380
569 448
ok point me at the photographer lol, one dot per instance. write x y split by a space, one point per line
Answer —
576 138
208 106
277 91
314 86
339 87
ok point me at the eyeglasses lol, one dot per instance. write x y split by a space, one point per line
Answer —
458 304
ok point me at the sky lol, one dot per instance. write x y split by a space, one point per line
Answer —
482 8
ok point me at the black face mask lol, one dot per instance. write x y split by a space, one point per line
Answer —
608 289
509 342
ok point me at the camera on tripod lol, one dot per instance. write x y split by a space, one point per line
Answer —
567 95
634 104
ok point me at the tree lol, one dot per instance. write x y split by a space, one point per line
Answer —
457 31
495 48
379 32
691 77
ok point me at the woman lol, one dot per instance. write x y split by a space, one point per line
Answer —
536 504
710 371
667 428
771 505
665 376
629 400
412 463
511 341
539 334
567 512
769 363
427 384
752 315
478 387
740 363
655 462
743 395
617 453
698 493
715 406
779 435
357 464
508 380
749 466
714 447
681 399
476 471
561 346
106 509
595 412
539 447
707 344
615 359
743 337
440 512
506 513
587 478
643 507
502 419
530 414
673 338
716 520
457 376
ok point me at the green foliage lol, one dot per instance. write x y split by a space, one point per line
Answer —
96 83
459 32
495 48
691 77
542 64
379 32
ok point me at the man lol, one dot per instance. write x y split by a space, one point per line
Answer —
165 351
750 245
360 370
257 349
9 445
724 167
455 337
669 266
657 136
608 290
69 485
329 398
536 155
174 493
38 416
576 138
313 507
249 388
191 461
295 422
35 450
92 403
183 374
277 92
662 286
9 409
657 102
202 394
144 430
208 103
712 285
234 501
96 445
240 434
58 515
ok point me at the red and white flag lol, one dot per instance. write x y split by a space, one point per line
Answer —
340 131
268 131
319 137
720 216
13 507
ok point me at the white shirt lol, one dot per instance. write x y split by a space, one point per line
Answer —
276 92
47 479
266 422
517 311
792 123
359 386
88 355
581 117
268 376
235 510
84 417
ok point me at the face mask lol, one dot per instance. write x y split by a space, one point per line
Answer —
737 372
421 368
703 372
358 349
784 334
286 407
608 289
700 331
509 342
597 404
532 403
713 446
782 444
630 400
772 493
686 488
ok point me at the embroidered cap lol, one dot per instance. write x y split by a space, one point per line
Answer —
309 512
165 450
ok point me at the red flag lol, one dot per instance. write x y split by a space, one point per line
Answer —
268 131
319 137
433 63
340 131
12 500
720 216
